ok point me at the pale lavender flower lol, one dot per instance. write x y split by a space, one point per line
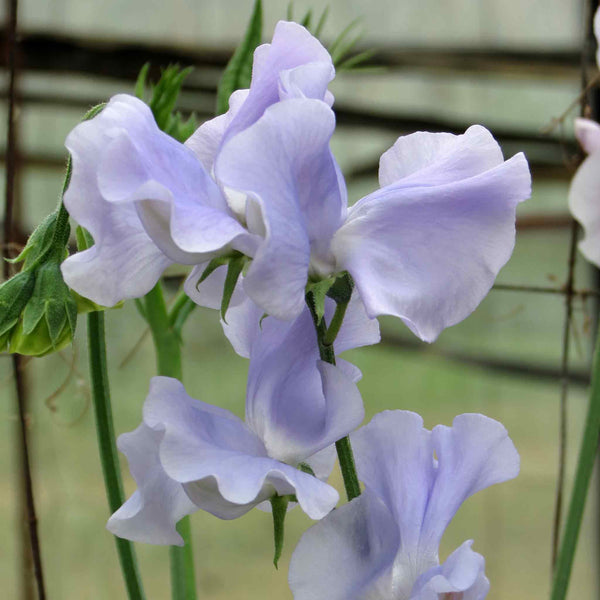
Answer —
262 180
584 193
384 544
149 201
187 455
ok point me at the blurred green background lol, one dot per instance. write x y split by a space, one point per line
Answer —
511 524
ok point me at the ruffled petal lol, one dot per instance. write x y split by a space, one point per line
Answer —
584 203
463 574
205 141
151 513
430 254
473 454
394 459
430 159
123 262
587 133
179 204
343 556
215 456
284 162
295 403
292 46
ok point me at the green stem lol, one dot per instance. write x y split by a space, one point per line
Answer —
325 340
168 359
585 465
108 448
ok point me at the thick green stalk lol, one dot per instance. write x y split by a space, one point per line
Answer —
108 448
585 466
325 339
168 359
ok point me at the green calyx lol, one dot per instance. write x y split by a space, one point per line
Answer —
235 262
337 287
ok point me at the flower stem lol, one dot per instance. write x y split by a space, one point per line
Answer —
168 359
585 465
325 339
108 449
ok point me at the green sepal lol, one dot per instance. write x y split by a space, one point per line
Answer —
85 305
14 295
306 468
238 72
279 506
39 241
316 292
341 290
53 303
234 270
236 263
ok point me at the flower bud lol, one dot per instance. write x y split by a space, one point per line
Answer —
14 295
49 318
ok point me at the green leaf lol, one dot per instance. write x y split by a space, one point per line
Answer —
588 452
238 73
279 506
321 24
356 60
140 83
164 97
306 22
234 270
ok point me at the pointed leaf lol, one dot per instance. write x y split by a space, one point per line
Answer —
306 22
279 506
322 21
140 84
238 73
234 270
316 293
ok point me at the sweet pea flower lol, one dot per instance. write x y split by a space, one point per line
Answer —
150 201
262 180
584 193
187 455
384 544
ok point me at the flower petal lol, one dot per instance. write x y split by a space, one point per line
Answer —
584 203
292 46
206 140
151 513
179 204
429 254
587 133
284 162
462 574
123 262
394 458
216 456
473 454
343 556
295 403
424 158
